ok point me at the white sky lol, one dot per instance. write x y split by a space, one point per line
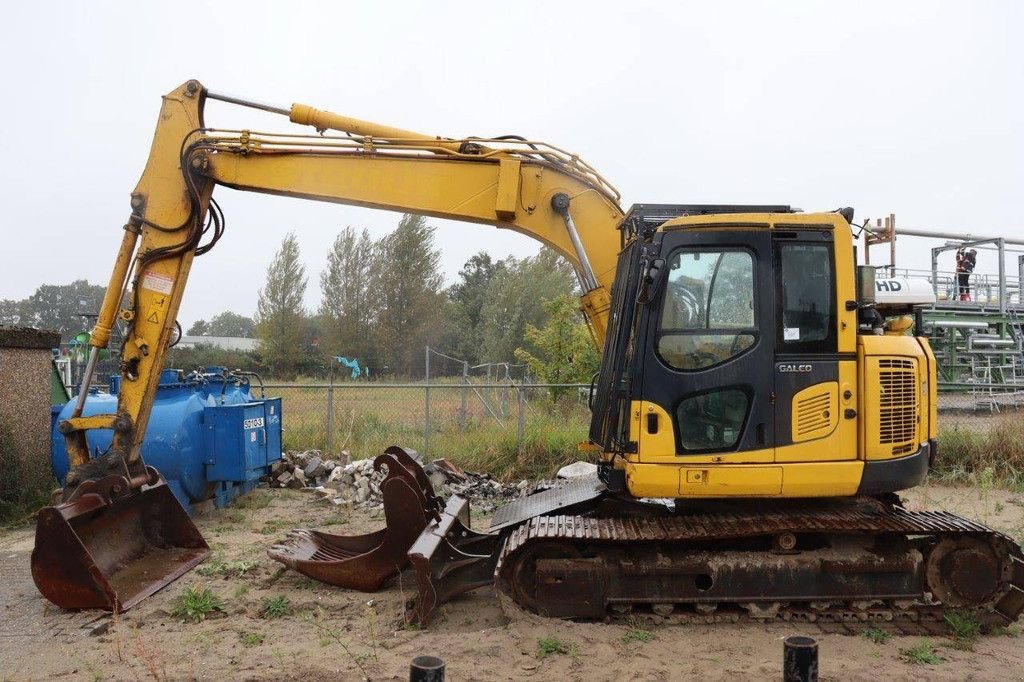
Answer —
907 107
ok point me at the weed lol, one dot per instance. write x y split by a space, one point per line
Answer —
251 638
330 634
241 590
547 646
999 507
228 569
1006 630
966 629
235 515
635 634
257 499
195 604
922 654
276 607
371 628
273 526
877 636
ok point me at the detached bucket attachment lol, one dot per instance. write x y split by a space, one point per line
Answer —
366 562
450 559
111 546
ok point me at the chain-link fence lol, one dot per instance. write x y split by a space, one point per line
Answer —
976 405
435 417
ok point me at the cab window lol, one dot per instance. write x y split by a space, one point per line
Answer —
807 301
707 316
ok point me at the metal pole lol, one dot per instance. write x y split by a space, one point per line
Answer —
891 220
83 391
799 659
521 426
330 410
426 404
253 104
1001 245
935 272
426 669
465 383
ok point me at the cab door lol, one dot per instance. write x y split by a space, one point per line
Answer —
710 331
810 375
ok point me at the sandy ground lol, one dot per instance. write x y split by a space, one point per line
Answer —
330 633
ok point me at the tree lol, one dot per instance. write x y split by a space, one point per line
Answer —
280 317
199 328
231 324
515 298
406 283
67 308
345 309
561 352
464 331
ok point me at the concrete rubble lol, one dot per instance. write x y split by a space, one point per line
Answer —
341 481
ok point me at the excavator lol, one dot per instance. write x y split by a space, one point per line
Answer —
756 411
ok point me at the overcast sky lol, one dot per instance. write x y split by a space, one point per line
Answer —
915 108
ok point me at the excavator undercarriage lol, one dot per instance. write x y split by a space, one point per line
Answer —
575 550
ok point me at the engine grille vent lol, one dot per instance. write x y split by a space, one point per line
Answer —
898 403
813 414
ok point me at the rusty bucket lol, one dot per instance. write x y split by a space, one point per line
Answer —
113 545
365 562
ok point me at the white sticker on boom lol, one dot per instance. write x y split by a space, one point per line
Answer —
791 333
154 281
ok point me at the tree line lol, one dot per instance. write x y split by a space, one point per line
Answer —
383 301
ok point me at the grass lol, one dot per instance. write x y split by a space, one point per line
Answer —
276 607
966 629
195 604
548 646
877 636
984 457
922 654
257 499
637 635
273 526
251 638
227 569
370 418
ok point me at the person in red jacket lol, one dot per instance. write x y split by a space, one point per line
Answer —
965 262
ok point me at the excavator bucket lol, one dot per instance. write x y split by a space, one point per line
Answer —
112 546
366 562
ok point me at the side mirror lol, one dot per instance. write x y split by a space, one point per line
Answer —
650 281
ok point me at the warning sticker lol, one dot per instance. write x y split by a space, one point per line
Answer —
154 281
791 333
153 317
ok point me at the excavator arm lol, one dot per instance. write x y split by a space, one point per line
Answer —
529 187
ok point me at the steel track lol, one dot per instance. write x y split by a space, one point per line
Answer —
920 615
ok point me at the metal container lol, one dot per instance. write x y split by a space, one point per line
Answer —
207 435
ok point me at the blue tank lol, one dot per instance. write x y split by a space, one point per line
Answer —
207 435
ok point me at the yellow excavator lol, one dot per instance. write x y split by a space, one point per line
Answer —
755 412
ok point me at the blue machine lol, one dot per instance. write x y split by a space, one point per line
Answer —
207 435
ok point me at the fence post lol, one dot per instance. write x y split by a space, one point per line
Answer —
465 383
426 405
521 426
330 412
